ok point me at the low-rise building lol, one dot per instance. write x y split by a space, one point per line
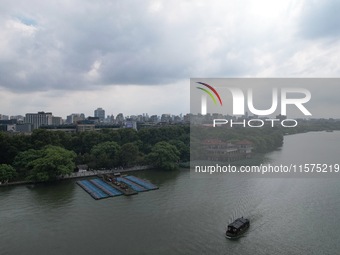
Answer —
218 150
24 128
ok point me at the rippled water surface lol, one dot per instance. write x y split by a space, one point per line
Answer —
186 215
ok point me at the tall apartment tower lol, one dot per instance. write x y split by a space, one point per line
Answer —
100 113
39 119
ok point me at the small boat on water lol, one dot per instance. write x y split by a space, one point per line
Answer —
237 228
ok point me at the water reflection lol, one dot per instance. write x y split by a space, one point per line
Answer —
158 176
54 194
5 191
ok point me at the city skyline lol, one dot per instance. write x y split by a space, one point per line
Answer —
81 116
16 116
78 122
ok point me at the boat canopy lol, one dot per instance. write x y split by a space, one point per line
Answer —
238 223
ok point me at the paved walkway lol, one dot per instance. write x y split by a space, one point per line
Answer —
95 172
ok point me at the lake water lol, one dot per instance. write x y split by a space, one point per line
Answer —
186 215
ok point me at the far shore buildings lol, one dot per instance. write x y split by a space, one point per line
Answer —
39 119
100 113
74 118
77 122
218 150
4 117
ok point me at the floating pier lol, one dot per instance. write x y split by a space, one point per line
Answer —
122 187
106 188
143 183
111 186
133 185
95 192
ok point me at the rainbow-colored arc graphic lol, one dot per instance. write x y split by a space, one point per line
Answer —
209 93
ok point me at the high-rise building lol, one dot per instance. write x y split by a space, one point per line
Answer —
166 117
19 118
111 118
4 117
100 113
154 118
57 121
120 119
39 119
74 118
145 117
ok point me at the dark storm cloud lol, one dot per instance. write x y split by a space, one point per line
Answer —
320 19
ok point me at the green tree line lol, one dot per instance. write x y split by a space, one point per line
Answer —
46 155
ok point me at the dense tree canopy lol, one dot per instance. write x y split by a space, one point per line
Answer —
106 154
7 173
47 163
164 155
128 154
45 154
29 155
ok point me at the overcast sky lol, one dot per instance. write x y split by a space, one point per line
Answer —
72 56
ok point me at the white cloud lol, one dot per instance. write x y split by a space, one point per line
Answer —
83 47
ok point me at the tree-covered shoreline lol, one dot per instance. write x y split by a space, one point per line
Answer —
44 155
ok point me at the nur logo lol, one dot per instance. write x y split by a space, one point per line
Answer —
278 98
204 97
